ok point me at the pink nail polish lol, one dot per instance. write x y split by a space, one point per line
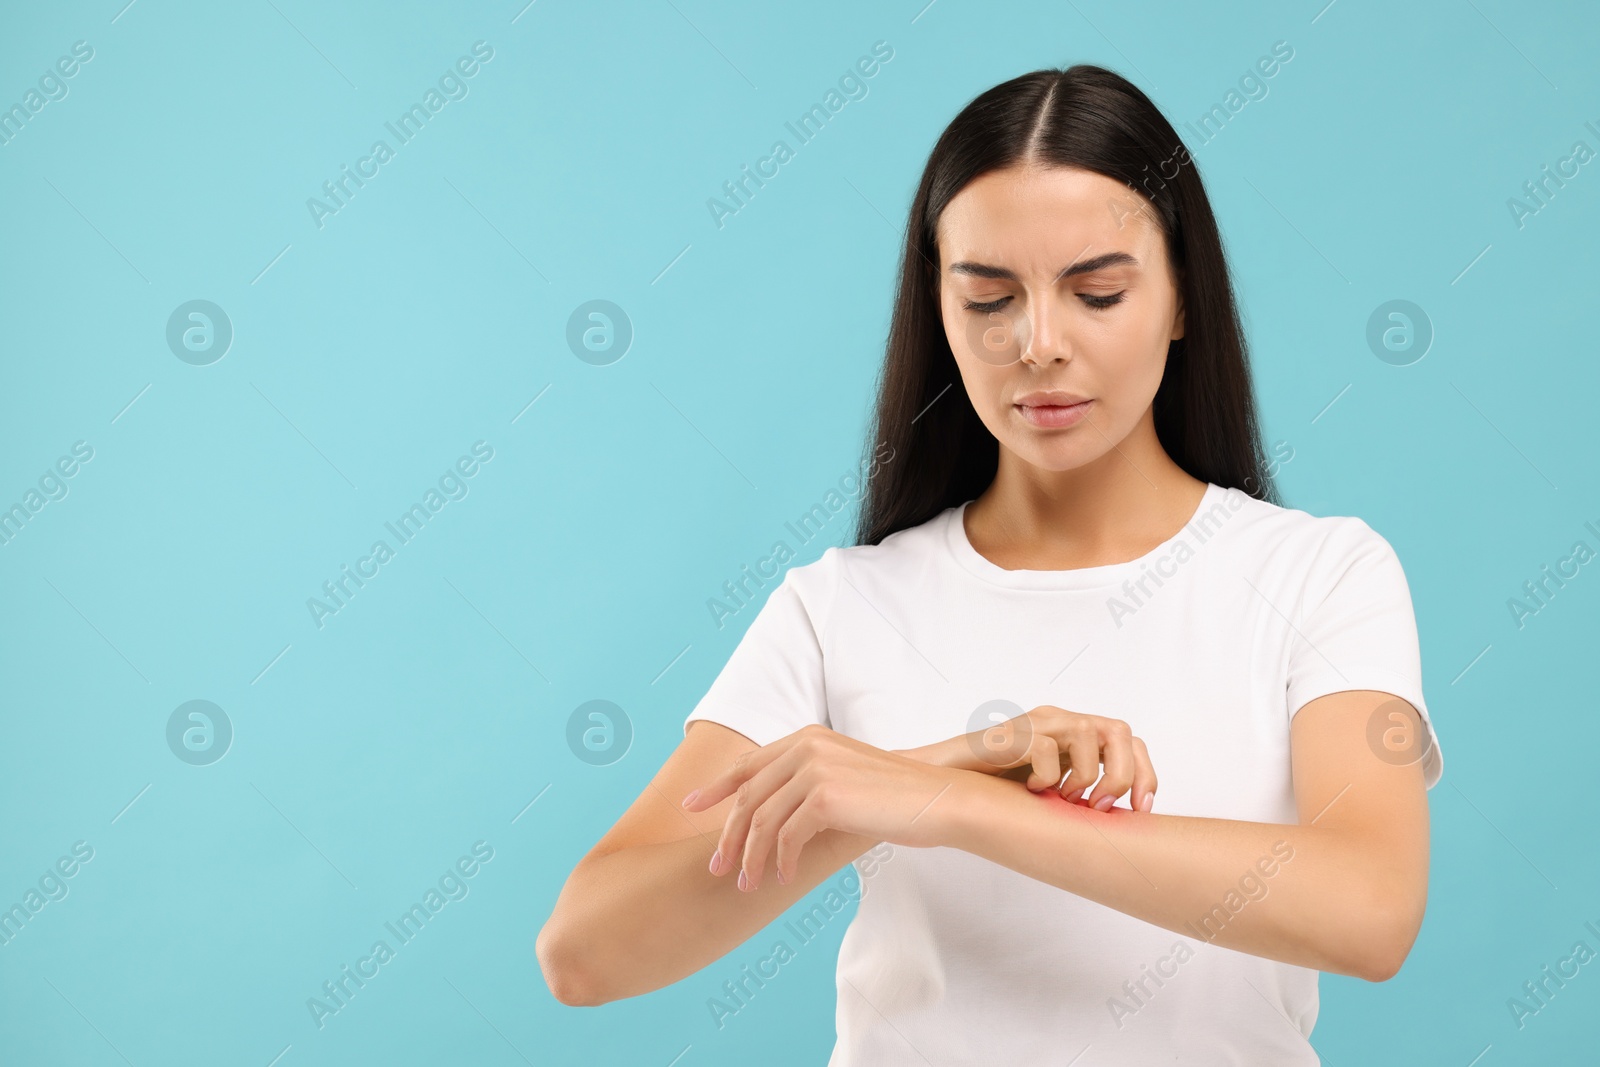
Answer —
716 861
744 883
690 798
1105 802
1149 800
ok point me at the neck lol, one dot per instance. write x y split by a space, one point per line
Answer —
1111 510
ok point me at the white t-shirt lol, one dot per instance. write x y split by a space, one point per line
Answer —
952 959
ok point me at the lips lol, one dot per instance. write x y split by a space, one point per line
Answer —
1052 410
1049 398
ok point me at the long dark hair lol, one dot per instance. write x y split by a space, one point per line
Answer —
939 453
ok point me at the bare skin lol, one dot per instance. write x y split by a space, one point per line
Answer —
653 902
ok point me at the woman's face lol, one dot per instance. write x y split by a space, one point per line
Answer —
1075 302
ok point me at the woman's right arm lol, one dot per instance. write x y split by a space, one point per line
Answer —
642 910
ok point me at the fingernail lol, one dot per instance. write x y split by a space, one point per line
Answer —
716 861
1075 794
1149 799
690 798
744 883
781 879
1105 802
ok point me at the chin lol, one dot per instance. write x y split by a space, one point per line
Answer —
1055 458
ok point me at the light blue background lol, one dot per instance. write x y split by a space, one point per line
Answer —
426 315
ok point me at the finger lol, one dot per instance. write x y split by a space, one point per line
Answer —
764 771
1116 755
718 788
805 823
1083 753
744 767
1144 777
749 796
766 821
1046 756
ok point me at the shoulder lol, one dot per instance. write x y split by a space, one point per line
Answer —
901 556
1292 549
1321 537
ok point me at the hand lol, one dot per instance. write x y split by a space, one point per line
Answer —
1037 746
813 780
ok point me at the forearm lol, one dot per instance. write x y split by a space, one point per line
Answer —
640 918
1324 905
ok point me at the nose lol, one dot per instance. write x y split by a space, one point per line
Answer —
1047 340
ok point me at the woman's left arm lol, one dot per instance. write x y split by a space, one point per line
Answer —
1342 890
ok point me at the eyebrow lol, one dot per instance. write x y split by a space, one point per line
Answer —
1087 266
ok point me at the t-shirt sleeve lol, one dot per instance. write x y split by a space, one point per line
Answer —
1362 634
772 684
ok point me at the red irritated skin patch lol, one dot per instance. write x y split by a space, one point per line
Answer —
1055 799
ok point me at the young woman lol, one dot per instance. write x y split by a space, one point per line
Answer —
1072 584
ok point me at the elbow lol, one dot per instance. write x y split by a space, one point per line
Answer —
1389 945
562 972
1381 965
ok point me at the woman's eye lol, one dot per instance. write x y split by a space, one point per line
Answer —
1098 303
992 305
